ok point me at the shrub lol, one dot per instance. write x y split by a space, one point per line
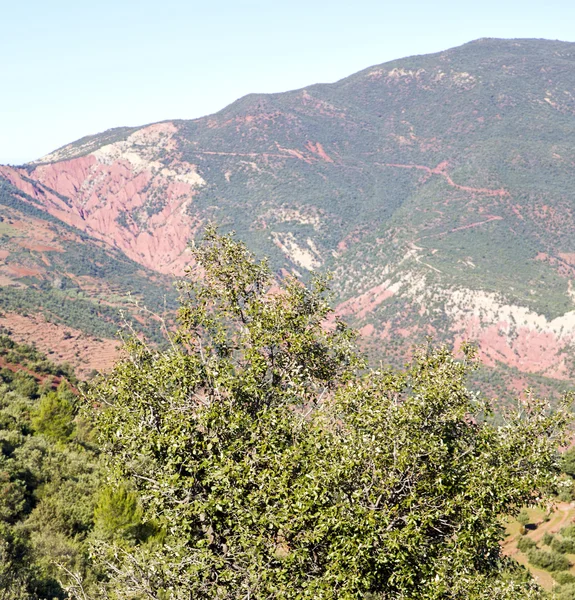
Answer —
564 546
525 543
563 577
550 561
547 539
523 518
117 514
568 462
54 417
565 592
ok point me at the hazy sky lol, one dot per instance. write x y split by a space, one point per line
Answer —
72 67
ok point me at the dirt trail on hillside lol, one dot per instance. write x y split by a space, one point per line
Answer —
441 170
461 228
565 513
315 148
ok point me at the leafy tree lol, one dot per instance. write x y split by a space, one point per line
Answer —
278 465
55 415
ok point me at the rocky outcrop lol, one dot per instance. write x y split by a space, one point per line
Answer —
127 193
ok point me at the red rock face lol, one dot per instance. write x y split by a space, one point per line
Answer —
366 303
529 350
122 195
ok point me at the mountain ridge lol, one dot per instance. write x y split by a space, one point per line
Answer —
435 187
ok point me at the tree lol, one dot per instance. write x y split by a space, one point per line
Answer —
55 414
278 465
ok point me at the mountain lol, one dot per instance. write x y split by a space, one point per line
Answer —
438 189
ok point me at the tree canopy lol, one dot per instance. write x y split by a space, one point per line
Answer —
48 478
260 457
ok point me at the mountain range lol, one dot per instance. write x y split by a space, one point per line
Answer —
438 190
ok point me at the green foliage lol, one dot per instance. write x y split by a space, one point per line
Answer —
568 462
48 482
55 416
279 466
563 578
547 538
525 543
117 514
523 518
550 561
568 532
565 592
564 546
566 495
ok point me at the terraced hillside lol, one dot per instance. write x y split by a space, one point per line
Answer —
438 189
68 293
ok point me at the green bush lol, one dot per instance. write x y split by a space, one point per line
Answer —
563 577
523 518
566 592
54 417
525 543
550 561
547 539
564 546
117 514
47 483
568 462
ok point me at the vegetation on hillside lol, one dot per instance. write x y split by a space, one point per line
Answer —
259 458
430 176
76 281
48 477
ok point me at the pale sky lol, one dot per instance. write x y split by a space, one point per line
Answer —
71 68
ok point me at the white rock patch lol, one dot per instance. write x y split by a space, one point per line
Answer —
308 258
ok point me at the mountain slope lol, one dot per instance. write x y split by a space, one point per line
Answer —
66 292
438 188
